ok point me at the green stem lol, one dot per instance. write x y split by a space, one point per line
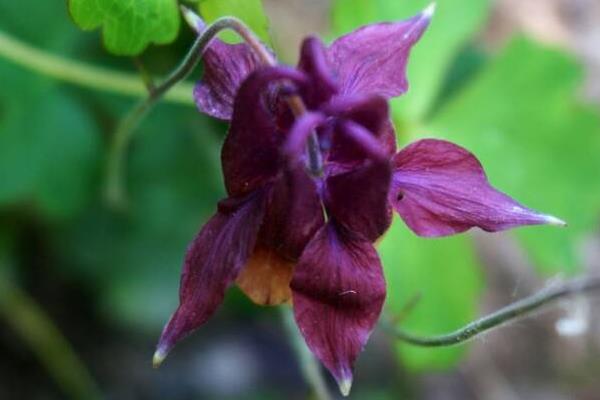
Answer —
519 309
82 74
54 352
114 186
308 364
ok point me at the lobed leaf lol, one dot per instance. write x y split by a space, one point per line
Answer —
128 26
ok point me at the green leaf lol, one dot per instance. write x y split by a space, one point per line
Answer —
452 26
174 184
446 277
249 11
7 266
49 146
128 27
521 118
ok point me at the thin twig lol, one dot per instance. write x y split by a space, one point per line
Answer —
510 313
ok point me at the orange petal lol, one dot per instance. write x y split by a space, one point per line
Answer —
266 278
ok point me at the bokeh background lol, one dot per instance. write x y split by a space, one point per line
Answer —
85 287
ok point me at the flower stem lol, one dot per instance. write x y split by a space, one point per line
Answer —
519 309
297 106
115 192
315 162
308 364
82 74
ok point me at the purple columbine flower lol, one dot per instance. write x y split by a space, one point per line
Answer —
288 231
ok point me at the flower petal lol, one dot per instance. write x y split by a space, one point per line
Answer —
338 291
294 213
266 277
212 262
372 59
251 153
294 148
369 112
358 198
225 68
440 189
313 61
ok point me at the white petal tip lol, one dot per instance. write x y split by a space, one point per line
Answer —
345 386
192 19
429 11
158 358
551 220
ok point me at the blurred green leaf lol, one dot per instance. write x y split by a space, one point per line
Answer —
174 183
249 11
49 146
452 26
520 116
446 277
6 254
128 27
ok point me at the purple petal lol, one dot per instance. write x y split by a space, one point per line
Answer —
338 291
294 147
370 112
251 153
364 140
313 61
372 59
294 214
225 68
440 189
212 263
358 198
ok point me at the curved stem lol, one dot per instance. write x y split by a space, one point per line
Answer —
297 106
519 309
122 136
308 364
82 74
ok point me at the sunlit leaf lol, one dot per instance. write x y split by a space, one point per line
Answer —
445 276
128 27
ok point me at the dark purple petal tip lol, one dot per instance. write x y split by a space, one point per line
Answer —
440 189
213 261
338 291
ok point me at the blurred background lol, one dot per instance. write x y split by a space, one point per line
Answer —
85 287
